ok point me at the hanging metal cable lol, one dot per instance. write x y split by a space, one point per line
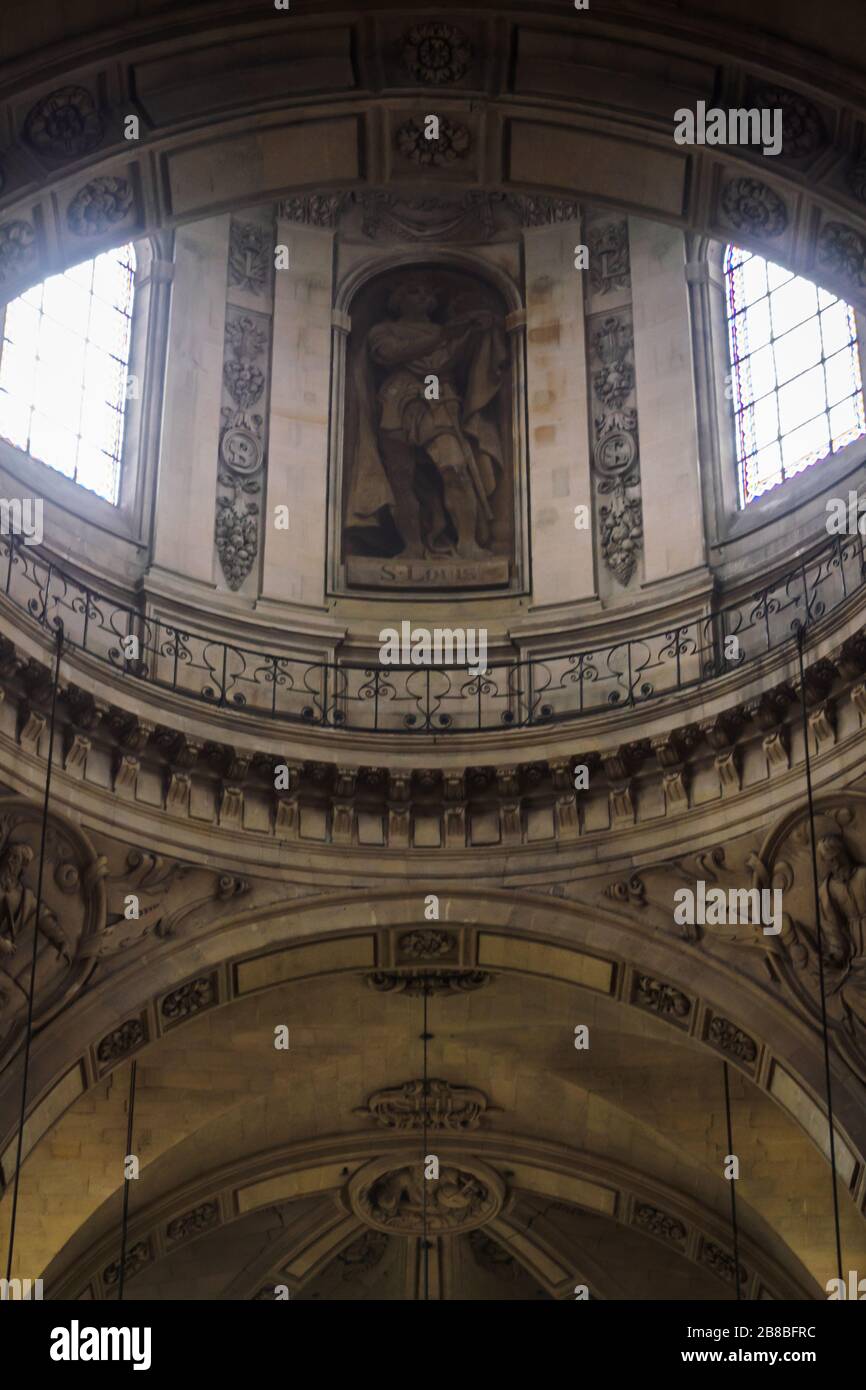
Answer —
733 1183
124 1222
58 647
801 638
425 1251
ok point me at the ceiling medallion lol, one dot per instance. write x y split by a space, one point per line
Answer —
453 142
436 53
389 1195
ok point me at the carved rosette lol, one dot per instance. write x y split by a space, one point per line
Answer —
392 1195
803 131
65 124
436 53
189 999
121 1041
453 143
427 944
752 206
100 206
842 250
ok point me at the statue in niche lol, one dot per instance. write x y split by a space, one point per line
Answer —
429 465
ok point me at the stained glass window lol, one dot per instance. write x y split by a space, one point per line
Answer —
797 389
64 366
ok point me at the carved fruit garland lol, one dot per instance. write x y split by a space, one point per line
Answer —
241 450
616 450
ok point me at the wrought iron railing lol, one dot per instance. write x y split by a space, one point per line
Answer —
433 699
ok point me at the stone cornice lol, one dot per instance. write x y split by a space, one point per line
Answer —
197 776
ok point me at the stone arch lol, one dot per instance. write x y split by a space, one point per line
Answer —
492 932
566 1177
453 257
537 136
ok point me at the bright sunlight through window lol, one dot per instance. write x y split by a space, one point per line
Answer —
63 370
798 394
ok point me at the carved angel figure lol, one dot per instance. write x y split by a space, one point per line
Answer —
19 911
18 907
842 897
397 1199
842 894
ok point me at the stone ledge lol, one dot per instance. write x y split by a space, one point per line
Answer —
521 803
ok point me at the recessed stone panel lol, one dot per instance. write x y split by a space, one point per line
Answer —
597 166
244 73
790 1094
256 166
348 953
537 958
609 73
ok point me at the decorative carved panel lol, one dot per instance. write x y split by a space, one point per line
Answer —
242 452
435 1104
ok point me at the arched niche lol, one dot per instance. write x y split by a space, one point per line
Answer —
468 386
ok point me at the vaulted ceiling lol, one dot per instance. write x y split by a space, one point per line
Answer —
604 1164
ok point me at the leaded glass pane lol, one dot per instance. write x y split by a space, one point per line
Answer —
63 370
795 370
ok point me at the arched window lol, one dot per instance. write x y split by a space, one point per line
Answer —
797 389
63 370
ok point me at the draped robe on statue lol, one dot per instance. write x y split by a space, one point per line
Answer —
409 353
